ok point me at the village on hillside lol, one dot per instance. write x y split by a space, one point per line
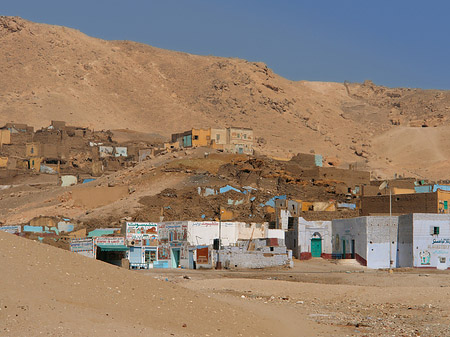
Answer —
248 211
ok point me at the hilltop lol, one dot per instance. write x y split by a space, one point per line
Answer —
53 72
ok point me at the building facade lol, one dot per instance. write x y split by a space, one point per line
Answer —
371 240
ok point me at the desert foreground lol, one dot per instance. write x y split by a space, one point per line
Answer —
53 292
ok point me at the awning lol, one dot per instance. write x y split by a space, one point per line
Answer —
113 248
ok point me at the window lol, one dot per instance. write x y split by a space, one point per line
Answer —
32 150
150 256
442 259
195 137
435 230
217 137
239 135
245 136
445 204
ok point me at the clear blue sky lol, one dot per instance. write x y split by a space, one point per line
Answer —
394 43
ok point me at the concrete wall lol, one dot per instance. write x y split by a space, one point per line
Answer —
431 250
375 240
348 230
405 255
382 242
240 257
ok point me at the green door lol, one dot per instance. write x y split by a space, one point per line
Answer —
316 247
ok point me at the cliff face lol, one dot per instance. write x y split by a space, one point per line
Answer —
51 72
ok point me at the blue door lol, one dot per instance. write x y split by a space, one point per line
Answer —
316 247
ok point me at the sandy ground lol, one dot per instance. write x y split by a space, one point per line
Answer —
352 300
49 291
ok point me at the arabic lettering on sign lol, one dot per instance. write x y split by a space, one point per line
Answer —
441 241
438 247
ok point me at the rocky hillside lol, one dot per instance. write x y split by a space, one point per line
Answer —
52 72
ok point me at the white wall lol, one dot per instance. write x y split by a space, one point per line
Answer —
382 241
284 219
275 233
348 230
204 232
429 250
306 231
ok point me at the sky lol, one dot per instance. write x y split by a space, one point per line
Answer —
393 43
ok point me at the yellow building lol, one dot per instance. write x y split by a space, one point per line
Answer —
32 150
201 137
35 164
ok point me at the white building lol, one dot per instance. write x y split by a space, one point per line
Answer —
371 240
309 239
424 240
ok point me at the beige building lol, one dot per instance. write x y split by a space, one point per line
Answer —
239 140
218 138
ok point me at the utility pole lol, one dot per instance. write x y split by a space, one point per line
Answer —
220 227
390 226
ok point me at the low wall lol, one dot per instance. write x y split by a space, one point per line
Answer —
237 257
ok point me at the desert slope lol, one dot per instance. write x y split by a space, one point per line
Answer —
49 291
53 72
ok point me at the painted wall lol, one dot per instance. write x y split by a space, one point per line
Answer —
105 151
16 229
276 233
204 232
219 136
201 137
431 250
308 230
375 240
346 230
83 246
382 242
120 151
141 233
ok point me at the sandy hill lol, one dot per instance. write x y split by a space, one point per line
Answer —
49 291
50 72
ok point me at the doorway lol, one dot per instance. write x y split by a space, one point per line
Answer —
175 257
343 250
316 247
353 249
